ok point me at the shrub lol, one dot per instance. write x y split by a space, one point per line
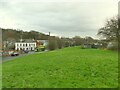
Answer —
112 46
52 44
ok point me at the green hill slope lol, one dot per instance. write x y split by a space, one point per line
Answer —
69 67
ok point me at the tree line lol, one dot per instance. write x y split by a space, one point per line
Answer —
55 42
16 35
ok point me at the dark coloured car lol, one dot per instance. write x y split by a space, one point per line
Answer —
26 51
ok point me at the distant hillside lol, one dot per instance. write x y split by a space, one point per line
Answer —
13 34
54 41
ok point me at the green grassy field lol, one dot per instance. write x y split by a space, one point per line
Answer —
66 68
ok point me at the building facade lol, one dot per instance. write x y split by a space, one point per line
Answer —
25 46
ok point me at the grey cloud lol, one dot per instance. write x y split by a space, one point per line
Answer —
64 19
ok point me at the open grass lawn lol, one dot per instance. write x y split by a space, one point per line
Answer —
66 68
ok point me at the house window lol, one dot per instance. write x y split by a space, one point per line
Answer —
26 44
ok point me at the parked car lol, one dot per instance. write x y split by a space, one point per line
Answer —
15 54
10 52
26 51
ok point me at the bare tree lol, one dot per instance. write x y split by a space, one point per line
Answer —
110 31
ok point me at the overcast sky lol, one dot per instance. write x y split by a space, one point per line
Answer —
61 18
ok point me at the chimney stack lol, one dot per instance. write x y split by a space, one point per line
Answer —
49 33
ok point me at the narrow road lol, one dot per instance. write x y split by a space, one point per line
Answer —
4 59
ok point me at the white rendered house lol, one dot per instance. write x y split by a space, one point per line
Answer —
25 46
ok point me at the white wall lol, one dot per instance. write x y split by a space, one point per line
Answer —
25 46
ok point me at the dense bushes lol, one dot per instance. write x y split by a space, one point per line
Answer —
52 44
58 43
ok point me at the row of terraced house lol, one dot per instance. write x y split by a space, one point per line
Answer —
24 45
